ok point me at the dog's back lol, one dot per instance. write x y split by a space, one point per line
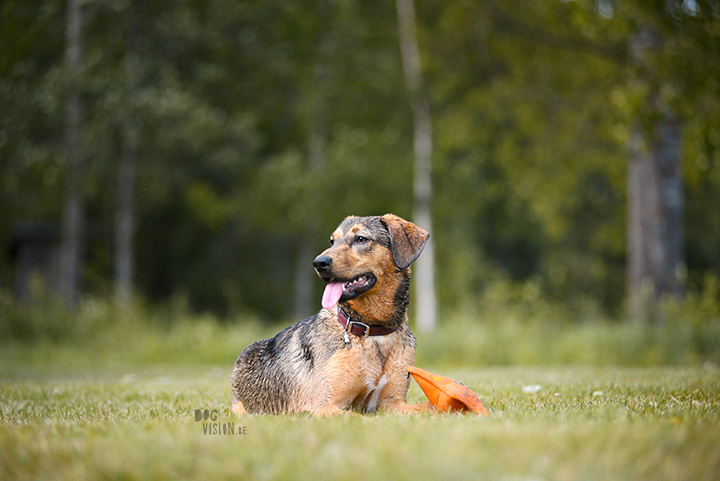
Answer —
276 375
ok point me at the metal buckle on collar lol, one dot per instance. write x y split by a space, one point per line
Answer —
350 324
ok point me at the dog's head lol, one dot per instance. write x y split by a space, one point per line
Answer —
368 254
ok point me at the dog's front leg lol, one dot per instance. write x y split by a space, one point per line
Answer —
401 407
392 398
334 411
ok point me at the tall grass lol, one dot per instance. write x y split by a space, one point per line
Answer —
511 324
101 334
515 324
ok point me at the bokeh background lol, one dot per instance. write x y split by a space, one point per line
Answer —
185 161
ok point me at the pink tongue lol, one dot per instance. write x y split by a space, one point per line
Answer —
332 294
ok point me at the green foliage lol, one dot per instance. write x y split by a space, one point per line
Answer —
262 124
516 324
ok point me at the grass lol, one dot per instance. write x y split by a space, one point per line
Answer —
110 394
547 423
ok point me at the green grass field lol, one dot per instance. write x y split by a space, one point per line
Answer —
549 423
113 395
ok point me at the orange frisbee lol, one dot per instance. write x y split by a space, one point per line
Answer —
446 394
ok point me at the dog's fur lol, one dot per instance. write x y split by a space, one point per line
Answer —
315 365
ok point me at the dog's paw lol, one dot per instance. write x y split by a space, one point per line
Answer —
238 408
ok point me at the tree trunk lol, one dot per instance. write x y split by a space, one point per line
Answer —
124 253
426 317
305 302
125 217
655 229
73 224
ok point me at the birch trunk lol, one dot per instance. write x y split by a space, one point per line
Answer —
424 270
124 253
73 222
655 227
305 302
125 217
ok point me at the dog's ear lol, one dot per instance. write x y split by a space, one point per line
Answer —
406 240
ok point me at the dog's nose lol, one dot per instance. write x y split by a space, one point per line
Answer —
322 263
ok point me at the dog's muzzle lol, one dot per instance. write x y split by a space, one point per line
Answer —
322 263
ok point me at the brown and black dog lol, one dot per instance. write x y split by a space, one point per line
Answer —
352 354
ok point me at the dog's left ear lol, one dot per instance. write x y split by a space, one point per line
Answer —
406 240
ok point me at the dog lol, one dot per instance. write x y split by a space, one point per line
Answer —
351 356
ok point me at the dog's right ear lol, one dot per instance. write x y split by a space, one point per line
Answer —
406 240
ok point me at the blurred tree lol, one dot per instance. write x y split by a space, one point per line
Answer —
73 224
525 147
256 126
125 223
541 98
315 102
655 230
426 316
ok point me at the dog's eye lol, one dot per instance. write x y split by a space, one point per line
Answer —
332 242
361 240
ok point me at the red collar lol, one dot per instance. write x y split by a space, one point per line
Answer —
360 329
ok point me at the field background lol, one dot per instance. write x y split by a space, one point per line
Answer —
118 401
169 170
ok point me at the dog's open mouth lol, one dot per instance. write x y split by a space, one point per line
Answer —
337 291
